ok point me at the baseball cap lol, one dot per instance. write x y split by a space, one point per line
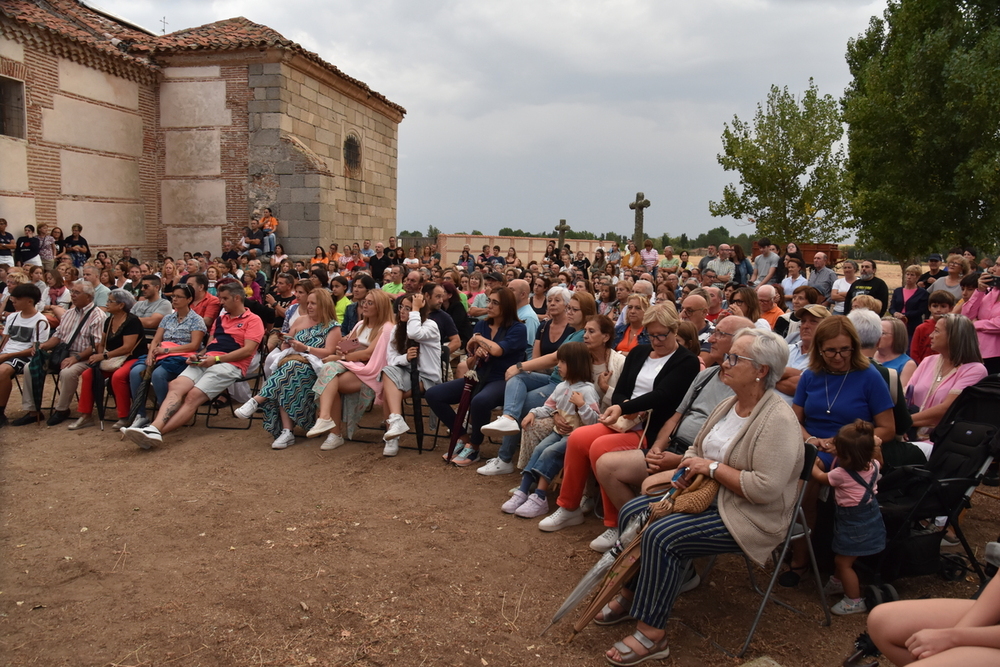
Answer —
493 275
935 257
813 309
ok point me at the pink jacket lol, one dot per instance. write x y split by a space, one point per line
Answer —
984 310
368 371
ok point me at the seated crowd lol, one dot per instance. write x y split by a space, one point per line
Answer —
606 375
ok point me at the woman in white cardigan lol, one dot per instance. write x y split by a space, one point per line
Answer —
413 327
751 446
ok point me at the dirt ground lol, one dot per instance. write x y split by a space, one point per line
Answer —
215 550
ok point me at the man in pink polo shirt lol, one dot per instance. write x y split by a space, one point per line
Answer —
236 336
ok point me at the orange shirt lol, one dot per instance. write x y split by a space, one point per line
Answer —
772 315
269 223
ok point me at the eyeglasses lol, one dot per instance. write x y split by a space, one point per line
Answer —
660 338
689 311
738 302
718 333
843 352
733 359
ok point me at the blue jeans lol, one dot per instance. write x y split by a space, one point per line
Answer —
441 397
547 459
523 392
165 371
269 243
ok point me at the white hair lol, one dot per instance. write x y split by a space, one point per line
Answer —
767 349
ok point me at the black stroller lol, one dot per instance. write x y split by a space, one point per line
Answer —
910 498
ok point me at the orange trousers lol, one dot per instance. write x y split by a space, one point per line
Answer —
584 447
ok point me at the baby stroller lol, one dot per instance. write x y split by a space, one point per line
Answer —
965 442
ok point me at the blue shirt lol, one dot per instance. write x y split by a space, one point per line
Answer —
857 395
512 340
179 331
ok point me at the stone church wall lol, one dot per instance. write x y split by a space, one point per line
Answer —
299 119
89 154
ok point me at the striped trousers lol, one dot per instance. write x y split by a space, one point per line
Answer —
667 546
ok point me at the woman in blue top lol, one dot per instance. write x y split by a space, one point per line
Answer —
498 342
839 387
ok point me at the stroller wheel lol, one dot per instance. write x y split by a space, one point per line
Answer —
889 593
874 597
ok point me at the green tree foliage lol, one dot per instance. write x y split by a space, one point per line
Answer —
433 232
924 113
790 166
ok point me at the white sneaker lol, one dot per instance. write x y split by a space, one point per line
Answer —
332 442
397 427
83 422
516 500
246 410
501 426
320 427
847 606
833 587
561 518
605 540
496 466
391 447
139 422
145 437
284 439
532 508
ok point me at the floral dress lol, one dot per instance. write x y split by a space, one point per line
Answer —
289 386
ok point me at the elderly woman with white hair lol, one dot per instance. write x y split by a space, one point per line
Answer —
121 345
751 446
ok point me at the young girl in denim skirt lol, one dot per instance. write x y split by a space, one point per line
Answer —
577 400
858 528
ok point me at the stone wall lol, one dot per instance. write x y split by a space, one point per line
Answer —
203 143
89 151
300 116
527 248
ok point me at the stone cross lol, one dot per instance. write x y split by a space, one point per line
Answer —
640 203
561 228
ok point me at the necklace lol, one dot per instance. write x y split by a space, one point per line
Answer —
826 382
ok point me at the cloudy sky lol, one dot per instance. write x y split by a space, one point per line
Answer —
522 112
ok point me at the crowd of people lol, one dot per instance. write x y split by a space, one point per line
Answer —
597 376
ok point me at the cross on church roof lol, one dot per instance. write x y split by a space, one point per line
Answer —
638 205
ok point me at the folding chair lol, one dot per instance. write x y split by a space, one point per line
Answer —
254 379
797 530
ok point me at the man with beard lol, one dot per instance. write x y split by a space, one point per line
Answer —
868 284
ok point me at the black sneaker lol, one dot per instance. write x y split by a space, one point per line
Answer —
57 417
3 420
25 420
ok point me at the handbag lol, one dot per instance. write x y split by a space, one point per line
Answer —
60 352
112 364
626 424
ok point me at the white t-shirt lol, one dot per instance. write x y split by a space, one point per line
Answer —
718 440
647 375
22 332
841 285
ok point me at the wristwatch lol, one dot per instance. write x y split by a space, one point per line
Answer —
520 367
712 467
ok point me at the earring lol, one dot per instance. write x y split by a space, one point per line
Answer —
758 379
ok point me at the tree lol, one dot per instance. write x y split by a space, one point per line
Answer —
433 232
923 113
790 166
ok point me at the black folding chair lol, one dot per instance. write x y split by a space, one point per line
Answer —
254 380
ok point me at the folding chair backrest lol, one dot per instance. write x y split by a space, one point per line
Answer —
808 460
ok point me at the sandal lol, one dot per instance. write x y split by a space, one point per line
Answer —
790 578
611 617
654 650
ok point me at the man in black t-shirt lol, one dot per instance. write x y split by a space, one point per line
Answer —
228 252
868 284
378 263
282 296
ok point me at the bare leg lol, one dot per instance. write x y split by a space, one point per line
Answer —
330 393
349 384
286 421
656 634
183 415
392 399
618 472
179 388
893 623
6 373
843 567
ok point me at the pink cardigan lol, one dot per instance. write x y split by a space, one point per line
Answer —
369 371
984 310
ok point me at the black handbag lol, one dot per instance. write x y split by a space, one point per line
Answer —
60 352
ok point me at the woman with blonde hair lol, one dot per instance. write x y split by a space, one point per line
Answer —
958 268
285 396
891 351
353 371
909 302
